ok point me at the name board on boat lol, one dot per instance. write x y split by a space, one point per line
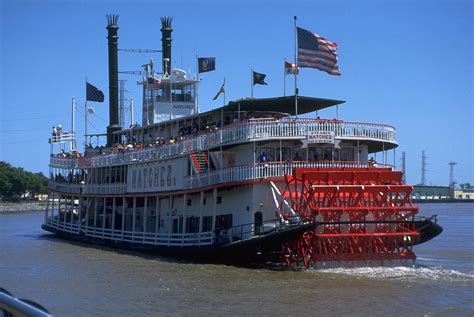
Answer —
166 110
156 176
321 137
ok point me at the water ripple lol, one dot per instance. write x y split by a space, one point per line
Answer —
436 273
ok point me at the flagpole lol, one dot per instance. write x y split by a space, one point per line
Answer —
85 118
197 89
222 109
296 75
251 82
171 97
284 78
73 146
131 112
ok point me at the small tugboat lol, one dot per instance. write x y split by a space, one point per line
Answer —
252 180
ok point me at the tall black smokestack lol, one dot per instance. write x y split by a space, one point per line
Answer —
112 29
166 43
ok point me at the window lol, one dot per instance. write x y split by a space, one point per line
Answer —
347 155
318 154
206 223
192 224
300 154
178 225
328 154
219 199
188 202
285 154
224 221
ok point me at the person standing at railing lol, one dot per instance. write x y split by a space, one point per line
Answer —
262 158
372 162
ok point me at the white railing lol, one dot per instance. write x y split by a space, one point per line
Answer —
224 175
99 189
64 162
139 237
66 188
70 162
253 130
265 170
106 189
61 137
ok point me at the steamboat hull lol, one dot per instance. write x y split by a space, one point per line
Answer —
264 248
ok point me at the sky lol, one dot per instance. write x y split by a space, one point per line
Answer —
404 63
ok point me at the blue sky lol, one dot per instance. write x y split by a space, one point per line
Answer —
404 63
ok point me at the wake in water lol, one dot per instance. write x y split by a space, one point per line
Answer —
403 273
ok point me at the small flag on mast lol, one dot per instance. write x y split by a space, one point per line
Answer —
259 78
221 90
93 93
317 52
206 64
90 110
290 68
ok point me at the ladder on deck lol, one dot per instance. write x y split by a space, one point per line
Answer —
200 162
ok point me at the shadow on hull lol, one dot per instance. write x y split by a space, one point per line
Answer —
259 249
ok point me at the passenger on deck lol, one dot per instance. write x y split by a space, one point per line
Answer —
262 158
372 162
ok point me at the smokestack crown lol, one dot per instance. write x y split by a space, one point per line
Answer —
112 20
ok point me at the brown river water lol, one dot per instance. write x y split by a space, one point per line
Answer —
77 279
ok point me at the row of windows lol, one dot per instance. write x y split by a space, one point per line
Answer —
313 154
192 223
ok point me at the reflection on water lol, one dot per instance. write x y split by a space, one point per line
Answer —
76 279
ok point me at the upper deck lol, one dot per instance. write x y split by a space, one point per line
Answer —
378 137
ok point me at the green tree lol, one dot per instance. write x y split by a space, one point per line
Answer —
15 182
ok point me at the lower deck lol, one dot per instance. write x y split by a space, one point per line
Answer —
199 219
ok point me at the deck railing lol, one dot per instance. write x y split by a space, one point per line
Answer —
253 130
62 137
265 170
99 189
149 238
224 175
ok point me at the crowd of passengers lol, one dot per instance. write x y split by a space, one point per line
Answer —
184 132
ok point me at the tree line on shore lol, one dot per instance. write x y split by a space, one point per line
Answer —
16 183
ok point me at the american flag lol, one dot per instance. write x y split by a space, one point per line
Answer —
317 52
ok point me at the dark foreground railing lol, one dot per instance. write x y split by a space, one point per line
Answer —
12 307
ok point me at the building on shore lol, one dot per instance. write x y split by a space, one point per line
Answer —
465 192
424 192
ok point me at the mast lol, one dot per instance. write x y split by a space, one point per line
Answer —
73 144
296 73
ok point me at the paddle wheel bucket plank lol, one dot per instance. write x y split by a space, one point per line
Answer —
359 215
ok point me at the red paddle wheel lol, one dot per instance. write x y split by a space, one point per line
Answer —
361 214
